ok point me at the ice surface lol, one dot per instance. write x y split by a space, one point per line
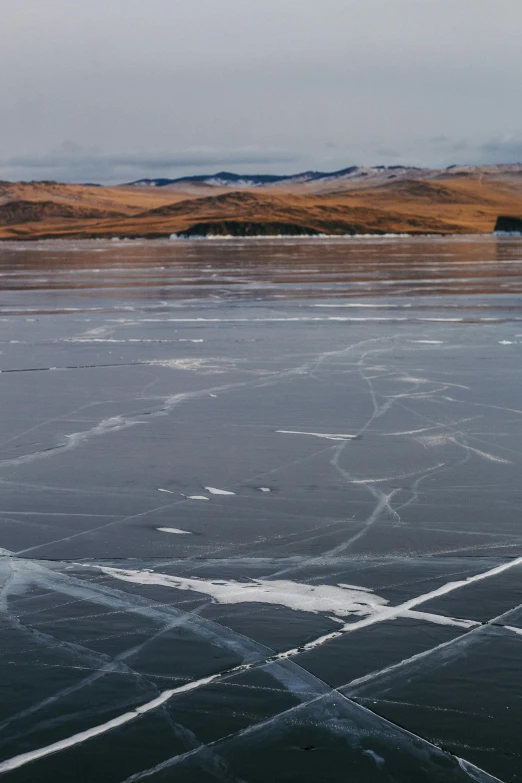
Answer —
260 510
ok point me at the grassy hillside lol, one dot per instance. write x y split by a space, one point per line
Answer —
465 201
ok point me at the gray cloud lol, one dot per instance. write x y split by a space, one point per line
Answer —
441 151
508 149
268 83
72 163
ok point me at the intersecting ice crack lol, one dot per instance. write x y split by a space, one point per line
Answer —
74 586
383 499
115 423
382 505
119 422
447 650
473 772
297 679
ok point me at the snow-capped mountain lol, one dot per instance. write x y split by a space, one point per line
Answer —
229 179
356 174
222 178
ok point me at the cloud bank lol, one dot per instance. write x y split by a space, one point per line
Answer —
124 89
71 162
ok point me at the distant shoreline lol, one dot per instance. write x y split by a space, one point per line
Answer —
261 238
375 202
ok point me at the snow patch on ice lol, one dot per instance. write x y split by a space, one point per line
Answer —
341 600
174 530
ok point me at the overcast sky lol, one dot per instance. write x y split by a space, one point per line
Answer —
114 90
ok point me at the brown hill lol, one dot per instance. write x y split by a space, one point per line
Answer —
122 199
432 192
467 200
22 211
321 214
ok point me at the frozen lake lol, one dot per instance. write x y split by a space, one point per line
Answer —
261 511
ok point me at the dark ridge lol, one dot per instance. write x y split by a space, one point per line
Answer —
254 179
14 212
312 175
434 193
225 176
160 182
510 224
235 199
240 228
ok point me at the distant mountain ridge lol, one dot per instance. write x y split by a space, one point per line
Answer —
351 176
224 178
354 200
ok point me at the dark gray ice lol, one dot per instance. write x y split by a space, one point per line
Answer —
260 512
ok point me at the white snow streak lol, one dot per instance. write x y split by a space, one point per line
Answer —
326 435
175 530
